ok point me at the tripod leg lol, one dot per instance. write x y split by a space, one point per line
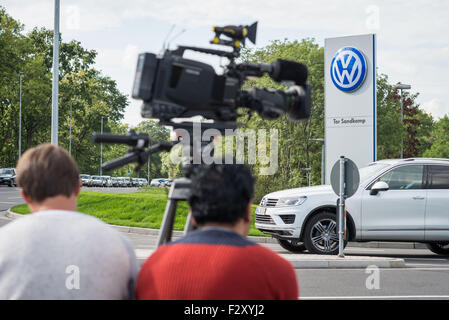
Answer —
166 229
189 224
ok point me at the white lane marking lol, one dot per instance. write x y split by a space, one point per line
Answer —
364 249
9 198
427 265
430 259
383 269
143 253
8 202
376 297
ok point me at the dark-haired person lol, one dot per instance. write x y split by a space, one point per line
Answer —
56 252
217 262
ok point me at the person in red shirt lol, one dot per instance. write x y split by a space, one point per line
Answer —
217 261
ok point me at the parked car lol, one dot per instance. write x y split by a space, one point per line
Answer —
127 182
157 182
135 182
122 182
397 200
107 181
144 182
86 180
138 182
8 177
97 181
115 182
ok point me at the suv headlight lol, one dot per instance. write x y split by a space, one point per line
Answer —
290 201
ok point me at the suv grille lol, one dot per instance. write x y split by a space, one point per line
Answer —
264 219
288 218
268 202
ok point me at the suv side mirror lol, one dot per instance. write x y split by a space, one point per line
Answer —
379 186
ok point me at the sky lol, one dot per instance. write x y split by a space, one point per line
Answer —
412 35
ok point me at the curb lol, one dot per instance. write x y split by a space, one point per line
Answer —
12 215
345 263
154 232
388 245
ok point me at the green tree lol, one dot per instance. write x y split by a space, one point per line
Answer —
91 94
157 134
11 45
296 151
389 126
170 169
439 140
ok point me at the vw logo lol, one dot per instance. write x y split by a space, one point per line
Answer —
348 69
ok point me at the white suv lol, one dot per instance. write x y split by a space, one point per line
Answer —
403 200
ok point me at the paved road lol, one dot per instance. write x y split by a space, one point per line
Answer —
426 275
9 197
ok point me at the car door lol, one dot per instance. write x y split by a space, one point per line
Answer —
398 213
437 208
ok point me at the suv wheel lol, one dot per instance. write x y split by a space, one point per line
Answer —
320 234
439 247
295 246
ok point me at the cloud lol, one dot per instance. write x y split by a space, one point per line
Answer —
129 57
436 107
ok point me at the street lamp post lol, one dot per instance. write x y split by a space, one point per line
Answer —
402 87
70 135
149 169
322 157
20 114
101 149
55 86
308 174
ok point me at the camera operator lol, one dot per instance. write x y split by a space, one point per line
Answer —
56 252
217 262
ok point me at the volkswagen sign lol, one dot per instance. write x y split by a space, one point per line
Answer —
348 69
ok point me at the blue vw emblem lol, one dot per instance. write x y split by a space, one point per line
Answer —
348 69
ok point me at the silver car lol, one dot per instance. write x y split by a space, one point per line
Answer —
97 181
403 200
86 180
107 181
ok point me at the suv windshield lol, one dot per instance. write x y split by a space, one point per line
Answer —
371 170
6 171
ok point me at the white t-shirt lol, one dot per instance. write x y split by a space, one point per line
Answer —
65 255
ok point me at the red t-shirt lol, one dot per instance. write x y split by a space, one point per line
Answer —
216 264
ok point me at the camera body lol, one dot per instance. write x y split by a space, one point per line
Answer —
172 86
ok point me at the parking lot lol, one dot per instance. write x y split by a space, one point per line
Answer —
9 197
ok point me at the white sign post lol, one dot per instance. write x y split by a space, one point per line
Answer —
350 100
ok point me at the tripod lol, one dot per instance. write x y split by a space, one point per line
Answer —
180 188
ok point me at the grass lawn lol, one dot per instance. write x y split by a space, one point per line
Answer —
141 209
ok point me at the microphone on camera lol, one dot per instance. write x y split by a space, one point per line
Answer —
284 70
